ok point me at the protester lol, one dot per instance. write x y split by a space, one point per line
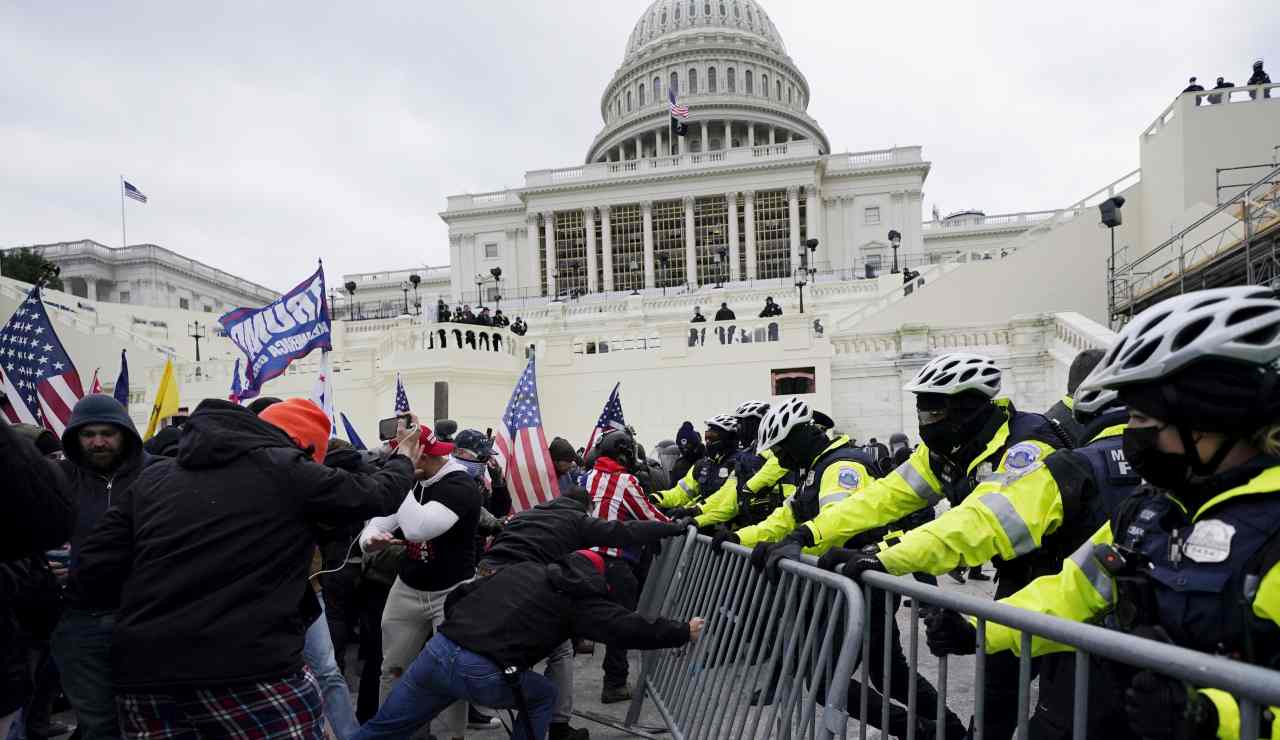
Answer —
509 622
442 311
104 457
770 308
519 327
438 520
1220 85
565 459
1192 86
36 509
1259 77
698 318
214 647
499 319
691 450
725 313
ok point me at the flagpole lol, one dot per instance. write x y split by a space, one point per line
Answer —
124 239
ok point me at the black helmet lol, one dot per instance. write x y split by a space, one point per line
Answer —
619 446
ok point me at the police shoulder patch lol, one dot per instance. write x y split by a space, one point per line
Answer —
1021 456
849 478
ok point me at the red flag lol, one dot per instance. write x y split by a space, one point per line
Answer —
95 386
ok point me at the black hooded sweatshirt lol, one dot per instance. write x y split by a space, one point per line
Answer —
92 490
208 553
517 617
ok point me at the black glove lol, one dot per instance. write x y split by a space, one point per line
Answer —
836 557
788 549
685 522
855 562
1163 708
948 633
723 535
760 555
684 512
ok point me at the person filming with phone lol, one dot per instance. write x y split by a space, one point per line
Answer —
437 522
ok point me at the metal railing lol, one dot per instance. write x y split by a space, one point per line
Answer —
773 659
1252 686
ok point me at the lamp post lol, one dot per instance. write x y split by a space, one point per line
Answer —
1109 209
480 289
404 288
719 259
664 260
806 270
350 285
414 280
895 241
496 272
635 290
197 331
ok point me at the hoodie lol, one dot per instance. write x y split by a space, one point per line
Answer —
94 490
207 554
518 616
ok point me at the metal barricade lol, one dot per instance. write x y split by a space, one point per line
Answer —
773 661
1253 687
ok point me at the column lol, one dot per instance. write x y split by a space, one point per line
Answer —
813 212
646 210
589 222
751 134
731 198
793 210
772 136
639 148
690 244
684 142
606 244
549 247
728 135
706 142
749 208
663 150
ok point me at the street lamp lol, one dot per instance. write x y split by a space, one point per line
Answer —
806 269
635 289
496 272
1110 212
197 331
895 241
721 263
350 285
404 288
664 260
415 279
480 289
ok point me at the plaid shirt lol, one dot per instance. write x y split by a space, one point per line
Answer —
616 496
267 710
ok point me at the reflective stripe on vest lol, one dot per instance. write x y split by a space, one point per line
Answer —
685 487
1014 526
831 498
918 484
1098 575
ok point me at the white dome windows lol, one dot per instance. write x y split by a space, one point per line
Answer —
731 80
778 86
675 83
750 87
642 95
693 81
628 101
764 85
711 79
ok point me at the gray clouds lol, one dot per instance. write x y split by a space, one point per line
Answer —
269 134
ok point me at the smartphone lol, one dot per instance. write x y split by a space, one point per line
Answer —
391 427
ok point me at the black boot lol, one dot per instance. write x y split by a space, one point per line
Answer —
562 731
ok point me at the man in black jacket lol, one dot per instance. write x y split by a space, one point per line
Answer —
509 622
104 456
207 555
546 533
36 508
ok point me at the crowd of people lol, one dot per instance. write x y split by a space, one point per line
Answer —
462 314
213 581
1258 76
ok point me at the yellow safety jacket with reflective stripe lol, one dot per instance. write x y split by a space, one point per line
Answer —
911 487
768 475
722 506
831 492
1085 590
1008 515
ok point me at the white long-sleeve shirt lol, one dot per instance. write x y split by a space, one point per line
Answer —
419 522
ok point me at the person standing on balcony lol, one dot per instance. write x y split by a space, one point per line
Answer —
442 311
1259 77
770 308
1192 86
725 314
1220 85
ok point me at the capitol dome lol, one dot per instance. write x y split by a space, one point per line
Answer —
729 66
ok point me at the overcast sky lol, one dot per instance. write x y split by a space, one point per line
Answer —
269 134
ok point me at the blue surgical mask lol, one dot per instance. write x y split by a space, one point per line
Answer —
474 468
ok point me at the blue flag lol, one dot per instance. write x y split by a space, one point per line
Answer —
351 433
121 391
273 336
236 388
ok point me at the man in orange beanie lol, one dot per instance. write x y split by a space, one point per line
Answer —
207 556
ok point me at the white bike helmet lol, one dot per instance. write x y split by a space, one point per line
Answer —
1093 401
781 419
752 410
1240 324
723 422
957 372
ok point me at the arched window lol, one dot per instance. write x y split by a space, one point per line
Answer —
693 8
657 89
641 94
737 12
731 80
750 88
721 7
778 85
693 81
791 92
706 8
675 83
751 18
677 12
664 17
764 85
711 79
628 101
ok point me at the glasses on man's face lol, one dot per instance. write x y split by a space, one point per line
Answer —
930 417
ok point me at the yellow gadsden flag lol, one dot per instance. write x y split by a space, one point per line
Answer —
166 403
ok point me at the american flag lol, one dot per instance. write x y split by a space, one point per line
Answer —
131 192
39 380
616 496
610 418
523 447
402 400
677 110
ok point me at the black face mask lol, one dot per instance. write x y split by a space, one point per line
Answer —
1165 470
949 434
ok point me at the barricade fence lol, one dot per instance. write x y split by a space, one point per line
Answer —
781 660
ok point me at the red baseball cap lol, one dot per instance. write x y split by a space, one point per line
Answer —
430 444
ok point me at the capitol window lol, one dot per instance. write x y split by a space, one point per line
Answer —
751 18
184 304
764 85
490 251
750 89
641 94
693 8
125 296
722 7
871 215
711 79
733 83
706 8
675 83
677 12
628 101
737 12
693 81
657 89
778 87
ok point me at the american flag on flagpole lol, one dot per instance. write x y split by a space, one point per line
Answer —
131 192
402 399
39 380
677 110
523 446
610 418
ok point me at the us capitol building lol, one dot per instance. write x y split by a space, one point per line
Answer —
606 260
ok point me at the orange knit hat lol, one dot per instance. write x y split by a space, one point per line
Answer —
304 422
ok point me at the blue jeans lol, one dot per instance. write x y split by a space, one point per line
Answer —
444 673
82 649
317 653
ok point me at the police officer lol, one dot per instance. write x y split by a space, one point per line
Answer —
1062 412
1026 520
709 475
760 485
1192 558
967 435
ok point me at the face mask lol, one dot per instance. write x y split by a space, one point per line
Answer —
953 430
474 468
1161 469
